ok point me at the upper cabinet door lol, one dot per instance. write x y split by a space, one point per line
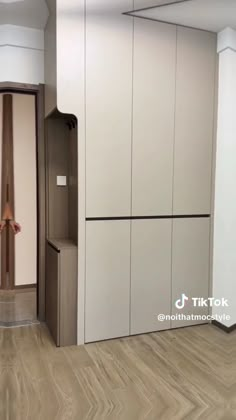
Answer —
194 122
153 117
109 38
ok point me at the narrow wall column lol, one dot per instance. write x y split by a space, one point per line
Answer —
224 246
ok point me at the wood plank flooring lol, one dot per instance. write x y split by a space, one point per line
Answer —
18 306
180 374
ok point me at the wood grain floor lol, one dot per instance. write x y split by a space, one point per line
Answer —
18 305
181 374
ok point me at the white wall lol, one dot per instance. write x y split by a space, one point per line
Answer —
224 254
21 54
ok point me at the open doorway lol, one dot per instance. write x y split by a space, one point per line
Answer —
22 242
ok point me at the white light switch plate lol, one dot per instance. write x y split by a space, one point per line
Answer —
61 181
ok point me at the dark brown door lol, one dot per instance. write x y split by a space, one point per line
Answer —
7 197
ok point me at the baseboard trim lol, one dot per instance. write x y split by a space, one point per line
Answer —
223 327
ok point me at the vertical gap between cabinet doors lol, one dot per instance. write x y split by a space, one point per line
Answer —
85 135
131 183
213 171
173 176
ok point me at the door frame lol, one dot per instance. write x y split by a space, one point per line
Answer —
38 92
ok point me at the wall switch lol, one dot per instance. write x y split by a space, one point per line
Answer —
61 181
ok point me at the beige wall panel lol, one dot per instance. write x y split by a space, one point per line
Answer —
108 108
153 117
190 265
150 274
25 180
107 301
195 86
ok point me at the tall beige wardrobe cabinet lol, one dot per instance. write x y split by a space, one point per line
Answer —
148 169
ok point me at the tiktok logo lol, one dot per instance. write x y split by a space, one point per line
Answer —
180 303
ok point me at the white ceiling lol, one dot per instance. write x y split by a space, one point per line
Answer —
29 13
212 15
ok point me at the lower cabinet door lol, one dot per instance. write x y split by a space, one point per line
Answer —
107 300
190 269
150 275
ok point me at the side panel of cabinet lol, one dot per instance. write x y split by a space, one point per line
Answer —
107 303
153 117
194 122
52 292
68 297
190 266
150 274
109 37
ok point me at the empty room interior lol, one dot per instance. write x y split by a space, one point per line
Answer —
118 209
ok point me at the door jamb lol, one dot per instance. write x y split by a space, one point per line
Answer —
38 92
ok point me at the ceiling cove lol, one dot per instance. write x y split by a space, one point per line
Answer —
208 15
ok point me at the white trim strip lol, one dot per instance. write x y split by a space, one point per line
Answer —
226 40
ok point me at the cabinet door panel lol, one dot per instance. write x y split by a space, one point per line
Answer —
108 108
153 117
150 275
68 296
107 280
194 122
190 265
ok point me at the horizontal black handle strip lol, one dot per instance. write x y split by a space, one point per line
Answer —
178 216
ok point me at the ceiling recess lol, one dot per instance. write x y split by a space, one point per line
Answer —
209 15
